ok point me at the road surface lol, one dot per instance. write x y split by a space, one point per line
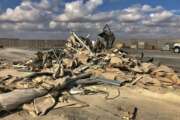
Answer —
165 57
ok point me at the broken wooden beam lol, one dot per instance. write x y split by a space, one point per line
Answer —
79 40
12 100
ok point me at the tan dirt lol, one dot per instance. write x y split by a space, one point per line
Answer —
153 104
13 54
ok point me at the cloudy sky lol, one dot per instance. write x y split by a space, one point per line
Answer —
53 19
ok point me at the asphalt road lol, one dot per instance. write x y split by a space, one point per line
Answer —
165 57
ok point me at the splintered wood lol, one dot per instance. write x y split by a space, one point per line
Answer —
78 64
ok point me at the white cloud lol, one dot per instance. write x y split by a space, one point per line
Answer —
130 17
133 9
82 16
27 11
148 8
45 4
161 16
78 9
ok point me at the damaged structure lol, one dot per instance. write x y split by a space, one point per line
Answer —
55 73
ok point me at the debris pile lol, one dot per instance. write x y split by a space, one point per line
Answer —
57 72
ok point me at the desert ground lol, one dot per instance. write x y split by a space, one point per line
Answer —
152 103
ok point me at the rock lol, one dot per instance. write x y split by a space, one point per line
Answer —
119 45
42 79
164 80
147 67
126 60
82 57
124 77
67 62
95 72
116 61
43 104
164 71
109 75
163 68
107 58
114 70
148 80
137 69
115 50
40 106
112 55
172 76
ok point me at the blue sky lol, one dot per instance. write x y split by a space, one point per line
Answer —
121 4
142 18
109 4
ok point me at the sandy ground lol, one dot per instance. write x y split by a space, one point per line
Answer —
153 104
12 54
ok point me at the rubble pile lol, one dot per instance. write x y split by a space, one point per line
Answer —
57 72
